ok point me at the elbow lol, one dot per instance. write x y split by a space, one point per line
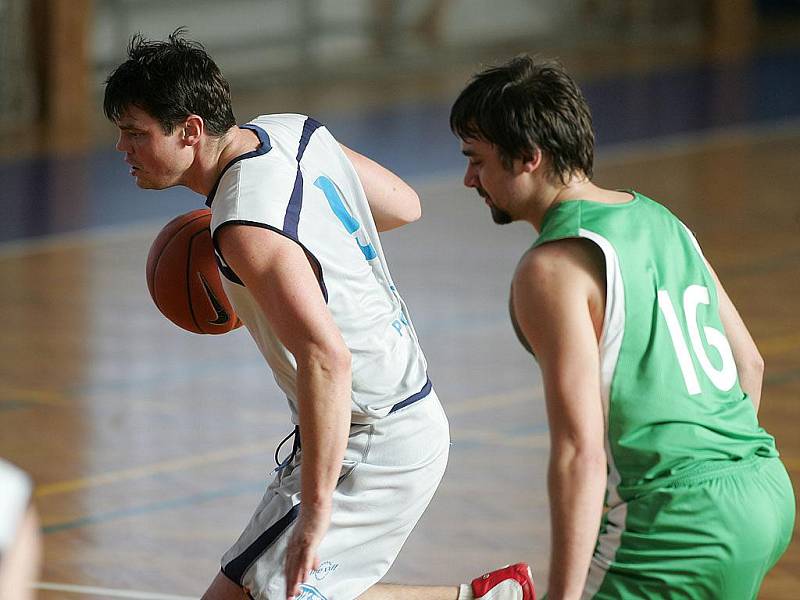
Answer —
592 459
413 208
584 467
416 213
333 359
753 368
337 359
758 365
344 360
579 457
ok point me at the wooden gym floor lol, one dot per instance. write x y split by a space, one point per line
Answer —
150 446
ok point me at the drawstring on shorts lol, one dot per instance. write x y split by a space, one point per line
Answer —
295 447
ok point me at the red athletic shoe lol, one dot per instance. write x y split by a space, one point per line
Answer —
514 582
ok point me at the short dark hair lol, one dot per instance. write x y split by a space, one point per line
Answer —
525 104
170 80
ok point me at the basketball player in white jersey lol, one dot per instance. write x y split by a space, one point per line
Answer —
295 225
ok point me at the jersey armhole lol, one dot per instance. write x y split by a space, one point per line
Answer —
231 276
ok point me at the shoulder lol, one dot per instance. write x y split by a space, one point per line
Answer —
258 189
559 277
560 260
279 119
255 173
288 127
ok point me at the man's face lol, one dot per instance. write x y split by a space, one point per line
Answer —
495 183
156 160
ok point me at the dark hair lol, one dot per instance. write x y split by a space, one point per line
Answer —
170 80
526 104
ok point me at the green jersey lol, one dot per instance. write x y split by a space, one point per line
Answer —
672 401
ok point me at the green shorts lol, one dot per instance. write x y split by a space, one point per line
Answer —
711 536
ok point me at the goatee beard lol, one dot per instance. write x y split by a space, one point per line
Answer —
500 217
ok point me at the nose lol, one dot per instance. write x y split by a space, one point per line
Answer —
122 145
470 177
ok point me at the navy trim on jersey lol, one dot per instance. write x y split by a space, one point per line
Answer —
292 218
226 271
426 389
236 568
231 276
263 148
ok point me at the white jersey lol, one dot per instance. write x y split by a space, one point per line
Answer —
299 183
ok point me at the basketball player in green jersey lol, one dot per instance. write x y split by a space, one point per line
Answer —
652 381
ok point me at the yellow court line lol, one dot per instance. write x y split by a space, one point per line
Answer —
47 397
86 590
477 404
72 485
779 344
791 463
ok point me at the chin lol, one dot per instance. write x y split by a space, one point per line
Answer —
501 217
150 185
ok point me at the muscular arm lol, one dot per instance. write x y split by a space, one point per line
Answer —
391 200
558 299
749 363
278 274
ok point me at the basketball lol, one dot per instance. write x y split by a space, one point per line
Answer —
183 278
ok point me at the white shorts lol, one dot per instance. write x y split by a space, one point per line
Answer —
390 472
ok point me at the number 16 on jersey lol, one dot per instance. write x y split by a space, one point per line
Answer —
723 378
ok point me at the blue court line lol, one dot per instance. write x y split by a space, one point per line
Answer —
9 405
152 507
782 377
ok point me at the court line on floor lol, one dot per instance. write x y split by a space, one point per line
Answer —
779 344
27 396
108 592
476 404
143 471
91 236
181 502
535 440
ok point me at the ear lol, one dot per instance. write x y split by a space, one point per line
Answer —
193 129
532 161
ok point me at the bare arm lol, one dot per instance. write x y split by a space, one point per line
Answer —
21 564
392 201
558 301
749 363
278 274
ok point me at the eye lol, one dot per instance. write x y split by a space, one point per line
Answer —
133 135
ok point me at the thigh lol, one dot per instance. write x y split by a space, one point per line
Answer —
710 539
390 472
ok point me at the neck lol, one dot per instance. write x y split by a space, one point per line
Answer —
553 193
214 154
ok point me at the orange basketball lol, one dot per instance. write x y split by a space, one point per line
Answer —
183 278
